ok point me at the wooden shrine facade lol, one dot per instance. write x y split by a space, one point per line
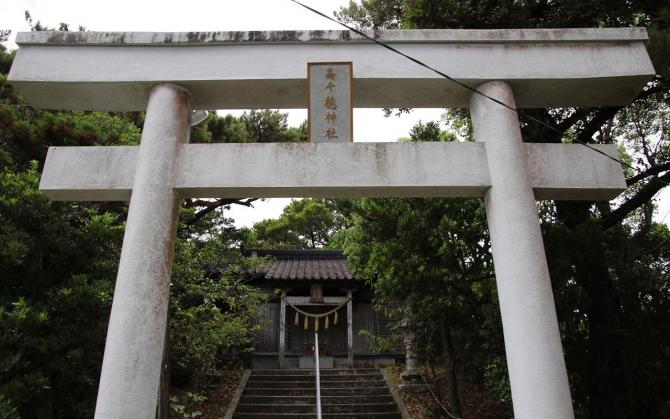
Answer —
303 284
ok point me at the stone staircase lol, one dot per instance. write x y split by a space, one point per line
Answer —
345 393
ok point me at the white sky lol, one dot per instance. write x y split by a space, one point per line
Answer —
221 15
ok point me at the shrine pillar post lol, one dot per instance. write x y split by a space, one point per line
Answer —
131 366
535 363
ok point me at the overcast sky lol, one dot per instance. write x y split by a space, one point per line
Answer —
221 15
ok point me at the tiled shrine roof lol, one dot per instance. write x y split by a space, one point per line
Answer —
304 264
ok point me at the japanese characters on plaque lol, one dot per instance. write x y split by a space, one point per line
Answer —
330 107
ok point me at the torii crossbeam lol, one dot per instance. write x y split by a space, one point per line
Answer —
169 74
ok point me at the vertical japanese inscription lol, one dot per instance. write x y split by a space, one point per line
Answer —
330 104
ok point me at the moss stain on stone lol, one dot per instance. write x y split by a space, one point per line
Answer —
256 36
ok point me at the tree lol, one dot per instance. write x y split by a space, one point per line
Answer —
58 262
432 256
253 126
596 250
304 224
212 309
268 126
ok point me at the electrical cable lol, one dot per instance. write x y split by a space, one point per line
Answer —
464 85
438 400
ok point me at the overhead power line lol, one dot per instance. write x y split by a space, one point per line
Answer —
464 85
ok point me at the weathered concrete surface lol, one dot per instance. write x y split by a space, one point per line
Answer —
114 71
556 171
537 373
391 36
131 367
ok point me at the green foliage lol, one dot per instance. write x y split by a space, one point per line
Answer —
381 343
225 129
255 126
376 14
430 131
429 14
628 338
7 408
58 263
5 58
430 254
212 310
28 134
268 126
305 223
659 41
185 405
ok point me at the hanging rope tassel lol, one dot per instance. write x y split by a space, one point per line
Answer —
316 324
306 323
335 319
325 326
296 319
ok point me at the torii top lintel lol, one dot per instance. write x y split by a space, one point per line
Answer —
232 70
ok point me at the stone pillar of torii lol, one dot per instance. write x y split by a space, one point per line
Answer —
170 74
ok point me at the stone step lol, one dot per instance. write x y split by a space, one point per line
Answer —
311 416
345 393
334 371
330 384
356 408
309 391
348 399
312 378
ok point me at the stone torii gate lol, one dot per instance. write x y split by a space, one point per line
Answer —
169 74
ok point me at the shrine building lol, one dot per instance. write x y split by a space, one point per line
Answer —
314 290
